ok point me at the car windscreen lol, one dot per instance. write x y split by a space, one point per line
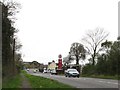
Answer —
72 71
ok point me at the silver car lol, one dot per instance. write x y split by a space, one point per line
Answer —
72 73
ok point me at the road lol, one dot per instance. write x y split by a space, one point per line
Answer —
81 82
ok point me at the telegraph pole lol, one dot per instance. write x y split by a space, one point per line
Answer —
14 55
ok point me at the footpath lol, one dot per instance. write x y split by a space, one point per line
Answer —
25 82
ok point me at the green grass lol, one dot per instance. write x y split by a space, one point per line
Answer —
40 82
102 76
13 82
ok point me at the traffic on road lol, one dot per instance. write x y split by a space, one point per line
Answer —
80 82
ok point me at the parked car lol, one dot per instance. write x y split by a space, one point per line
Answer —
72 73
53 71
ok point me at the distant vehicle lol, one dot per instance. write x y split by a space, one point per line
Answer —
34 70
40 70
45 70
27 69
72 73
48 71
53 71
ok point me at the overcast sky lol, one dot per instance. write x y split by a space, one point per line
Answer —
47 28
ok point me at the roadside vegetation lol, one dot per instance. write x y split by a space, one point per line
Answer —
35 82
104 55
13 82
41 82
107 65
11 57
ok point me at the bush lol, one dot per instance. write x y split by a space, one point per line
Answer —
88 69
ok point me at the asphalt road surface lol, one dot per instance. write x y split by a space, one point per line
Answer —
81 82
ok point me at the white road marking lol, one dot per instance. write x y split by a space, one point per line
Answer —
101 81
112 83
108 82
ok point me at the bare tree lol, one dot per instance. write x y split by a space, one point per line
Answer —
93 40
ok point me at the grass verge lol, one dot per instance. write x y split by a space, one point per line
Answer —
12 82
102 76
41 82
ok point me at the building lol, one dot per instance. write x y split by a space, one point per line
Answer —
33 64
52 65
26 65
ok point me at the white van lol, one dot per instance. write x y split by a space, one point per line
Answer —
53 71
44 70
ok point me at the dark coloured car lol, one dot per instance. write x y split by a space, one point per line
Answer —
72 73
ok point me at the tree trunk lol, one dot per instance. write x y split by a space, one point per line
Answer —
77 63
93 60
77 60
93 57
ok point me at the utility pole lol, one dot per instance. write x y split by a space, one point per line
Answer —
14 55
118 38
0 46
